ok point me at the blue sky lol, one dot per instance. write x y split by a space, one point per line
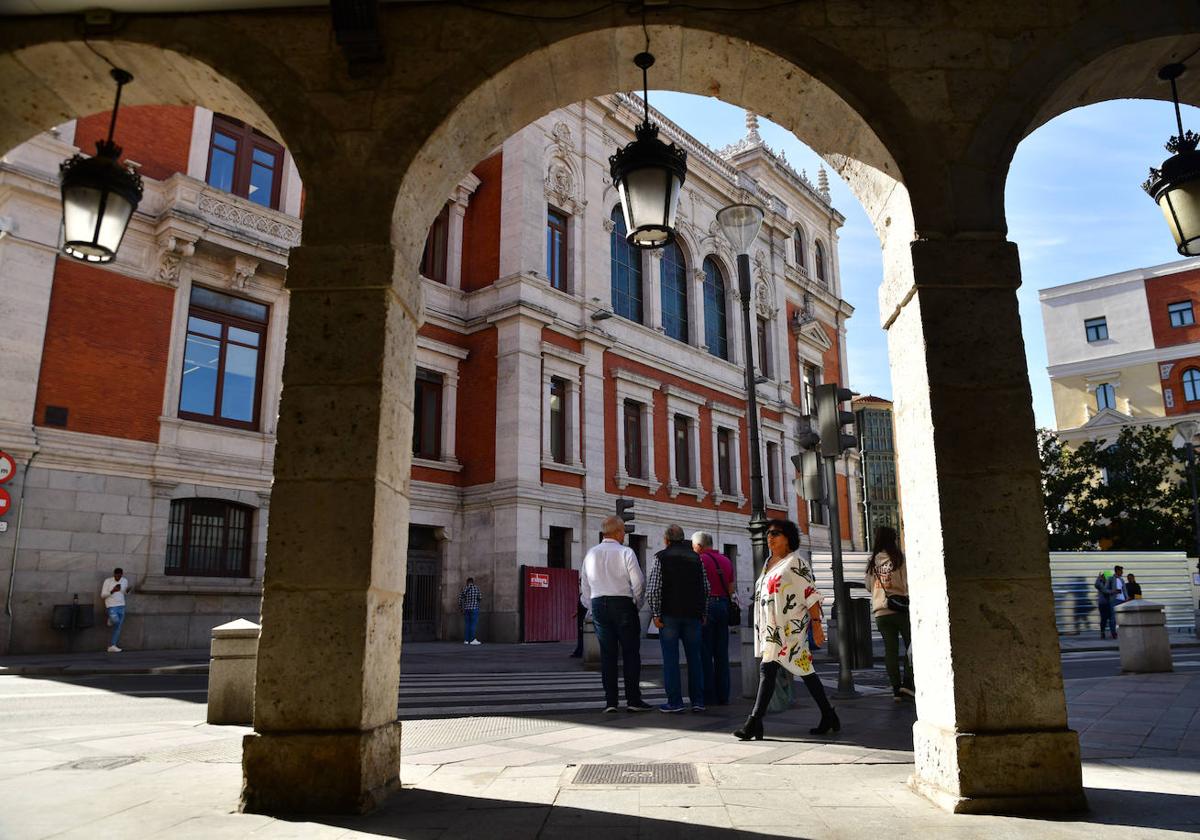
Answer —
1074 203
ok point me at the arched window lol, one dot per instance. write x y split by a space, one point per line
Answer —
820 259
209 537
1191 384
715 328
626 272
1106 396
798 247
674 293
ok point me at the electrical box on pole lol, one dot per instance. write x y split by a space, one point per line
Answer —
809 482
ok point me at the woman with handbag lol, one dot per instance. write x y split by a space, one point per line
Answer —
786 601
887 581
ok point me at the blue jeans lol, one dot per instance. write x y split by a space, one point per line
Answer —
116 615
618 626
714 652
674 630
471 621
1107 617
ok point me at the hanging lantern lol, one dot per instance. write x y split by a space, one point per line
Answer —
648 174
99 195
1176 185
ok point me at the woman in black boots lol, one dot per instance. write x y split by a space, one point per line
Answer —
786 600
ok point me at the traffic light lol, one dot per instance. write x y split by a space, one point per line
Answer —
808 482
625 511
831 419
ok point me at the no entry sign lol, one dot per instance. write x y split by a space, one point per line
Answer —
5 501
8 467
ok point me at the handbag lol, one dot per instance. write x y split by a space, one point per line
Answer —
735 609
896 603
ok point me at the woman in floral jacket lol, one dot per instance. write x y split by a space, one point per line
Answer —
786 600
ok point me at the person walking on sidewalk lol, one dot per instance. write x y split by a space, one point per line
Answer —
786 601
678 596
468 602
612 585
714 635
887 581
113 591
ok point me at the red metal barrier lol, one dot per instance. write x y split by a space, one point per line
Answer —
548 599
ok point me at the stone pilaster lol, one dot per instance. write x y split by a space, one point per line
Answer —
992 733
328 659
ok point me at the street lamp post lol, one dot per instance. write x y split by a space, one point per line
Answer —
740 223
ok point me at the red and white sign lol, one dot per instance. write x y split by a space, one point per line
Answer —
8 467
5 501
539 580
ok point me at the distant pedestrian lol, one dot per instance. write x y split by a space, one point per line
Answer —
468 602
714 636
678 595
1104 604
1112 594
113 591
1132 588
580 618
612 585
887 581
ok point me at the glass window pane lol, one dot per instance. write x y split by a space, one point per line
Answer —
198 392
224 141
262 181
220 170
228 304
265 158
674 293
237 392
242 336
199 325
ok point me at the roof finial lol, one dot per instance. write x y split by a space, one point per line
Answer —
823 183
752 127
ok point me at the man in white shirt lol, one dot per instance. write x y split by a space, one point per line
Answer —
612 586
113 591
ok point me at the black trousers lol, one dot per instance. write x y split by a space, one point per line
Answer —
768 673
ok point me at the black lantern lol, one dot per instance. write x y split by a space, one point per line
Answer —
99 195
1176 186
648 174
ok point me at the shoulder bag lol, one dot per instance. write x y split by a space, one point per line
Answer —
735 609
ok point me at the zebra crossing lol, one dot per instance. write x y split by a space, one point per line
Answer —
551 692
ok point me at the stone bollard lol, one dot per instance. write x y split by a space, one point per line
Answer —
231 672
1143 640
750 662
591 646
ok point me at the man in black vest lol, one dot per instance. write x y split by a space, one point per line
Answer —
677 592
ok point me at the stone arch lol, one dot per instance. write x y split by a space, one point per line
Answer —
689 60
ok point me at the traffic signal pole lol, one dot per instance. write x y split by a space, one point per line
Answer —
840 593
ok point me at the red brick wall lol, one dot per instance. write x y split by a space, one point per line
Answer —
559 340
1175 383
481 227
105 356
1163 291
831 361
565 479
158 137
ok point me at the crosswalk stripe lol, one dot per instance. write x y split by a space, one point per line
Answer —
423 695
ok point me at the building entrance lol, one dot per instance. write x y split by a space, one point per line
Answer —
421 585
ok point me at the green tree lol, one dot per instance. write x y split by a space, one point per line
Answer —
1067 485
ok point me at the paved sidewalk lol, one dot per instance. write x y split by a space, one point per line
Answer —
170 774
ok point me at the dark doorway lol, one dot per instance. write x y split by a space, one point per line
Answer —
421 585
558 548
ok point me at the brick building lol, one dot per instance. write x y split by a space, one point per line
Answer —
557 369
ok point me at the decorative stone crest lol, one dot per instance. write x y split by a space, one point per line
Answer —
173 251
562 137
609 225
244 270
764 300
560 187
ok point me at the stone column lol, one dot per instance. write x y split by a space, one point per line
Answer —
992 731
329 655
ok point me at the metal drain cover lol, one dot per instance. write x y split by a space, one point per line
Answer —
636 774
100 762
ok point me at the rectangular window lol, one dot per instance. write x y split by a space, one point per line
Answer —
223 359
1096 329
427 415
208 537
245 162
764 355
810 390
556 249
558 548
632 414
773 494
725 461
558 420
1106 396
683 451
1181 314
433 259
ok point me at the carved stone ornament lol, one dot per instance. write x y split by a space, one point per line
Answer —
562 137
244 270
764 301
231 214
561 188
171 256
609 225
